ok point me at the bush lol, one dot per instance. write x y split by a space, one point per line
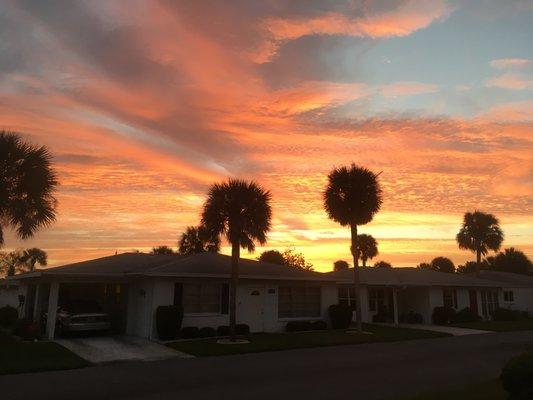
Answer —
412 318
505 314
207 331
298 326
168 322
189 332
26 329
319 325
466 315
517 377
340 316
8 316
443 315
242 329
223 330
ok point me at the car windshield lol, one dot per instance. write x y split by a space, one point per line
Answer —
83 306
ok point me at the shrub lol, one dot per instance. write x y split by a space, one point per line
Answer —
319 325
189 332
223 330
298 326
517 377
443 315
168 321
207 331
412 318
27 329
8 316
340 316
242 329
466 315
505 314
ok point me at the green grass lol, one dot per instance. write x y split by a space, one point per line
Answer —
18 356
500 326
488 390
285 341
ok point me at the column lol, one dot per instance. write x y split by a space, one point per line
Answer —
52 310
37 303
395 304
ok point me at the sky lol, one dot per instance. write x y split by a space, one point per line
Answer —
145 104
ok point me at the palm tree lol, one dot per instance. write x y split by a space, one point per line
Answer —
34 256
27 185
368 247
480 233
353 197
197 240
241 211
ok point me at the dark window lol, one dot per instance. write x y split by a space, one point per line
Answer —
376 299
449 297
178 294
508 296
202 298
347 297
298 301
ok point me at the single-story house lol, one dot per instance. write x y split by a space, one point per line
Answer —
517 289
9 293
412 290
131 286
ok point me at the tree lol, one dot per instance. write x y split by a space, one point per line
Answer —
352 197
368 247
162 250
18 261
511 260
424 265
470 267
480 233
27 186
272 257
34 256
296 260
241 211
196 239
382 264
340 265
443 264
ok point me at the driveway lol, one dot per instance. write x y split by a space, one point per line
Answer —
104 349
369 371
452 330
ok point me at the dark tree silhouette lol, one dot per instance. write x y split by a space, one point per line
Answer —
470 267
34 256
272 257
27 185
296 260
18 261
368 247
197 240
511 260
352 197
162 250
382 264
340 265
480 233
241 211
424 265
443 264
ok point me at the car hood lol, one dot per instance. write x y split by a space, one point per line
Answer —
88 315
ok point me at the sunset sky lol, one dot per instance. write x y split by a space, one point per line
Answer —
144 104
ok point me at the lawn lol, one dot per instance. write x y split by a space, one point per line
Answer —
285 341
500 326
488 390
18 356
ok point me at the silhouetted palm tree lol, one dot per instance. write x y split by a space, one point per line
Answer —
368 247
197 240
241 211
480 233
34 256
27 185
353 197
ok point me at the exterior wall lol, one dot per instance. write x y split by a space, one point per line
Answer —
140 296
9 295
523 299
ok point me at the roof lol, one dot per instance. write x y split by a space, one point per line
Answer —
507 279
196 265
410 277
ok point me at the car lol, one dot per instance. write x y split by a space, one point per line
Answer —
81 316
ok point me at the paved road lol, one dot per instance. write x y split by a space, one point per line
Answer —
370 371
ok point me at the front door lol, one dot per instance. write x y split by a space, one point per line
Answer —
251 310
473 301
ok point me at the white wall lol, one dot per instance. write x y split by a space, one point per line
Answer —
523 299
9 296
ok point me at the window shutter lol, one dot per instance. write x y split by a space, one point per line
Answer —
178 294
224 299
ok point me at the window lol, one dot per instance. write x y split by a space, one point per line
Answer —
201 298
298 301
449 298
489 302
347 297
508 296
376 299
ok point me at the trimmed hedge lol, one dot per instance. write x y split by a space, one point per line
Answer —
168 321
505 314
319 325
189 332
207 331
223 330
340 316
517 377
443 315
298 326
8 316
26 329
466 315
240 329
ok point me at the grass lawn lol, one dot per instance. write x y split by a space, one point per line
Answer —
284 341
500 326
18 357
488 390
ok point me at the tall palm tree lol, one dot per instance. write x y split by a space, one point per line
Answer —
368 247
480 233
27 185
241 211
34 256
352 197
197 240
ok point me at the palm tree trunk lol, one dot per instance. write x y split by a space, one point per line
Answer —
356 283
235 255
478 260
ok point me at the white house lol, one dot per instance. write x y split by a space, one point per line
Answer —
9 293
517 289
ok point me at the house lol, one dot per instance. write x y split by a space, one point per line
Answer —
412 290
517 289
130 287
9 293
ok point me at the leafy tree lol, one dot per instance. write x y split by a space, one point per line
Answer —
480 233
27 186
339 265
443 264
296 260
470 267
162 250
368 247
424 265
241 211
272 257
512 260
197 240
34 256
382 264
352 197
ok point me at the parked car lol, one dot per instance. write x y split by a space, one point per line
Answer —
81 316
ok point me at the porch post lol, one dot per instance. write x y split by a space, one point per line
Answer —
37 303
52 310
395 304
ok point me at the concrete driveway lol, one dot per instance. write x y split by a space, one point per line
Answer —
104 349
